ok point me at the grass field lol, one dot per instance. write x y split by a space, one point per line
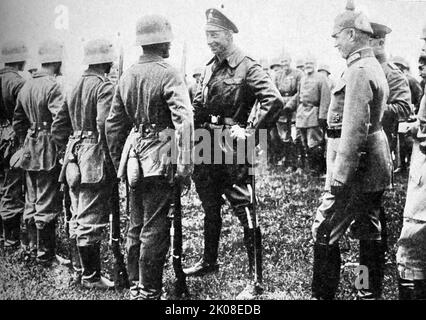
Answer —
287 203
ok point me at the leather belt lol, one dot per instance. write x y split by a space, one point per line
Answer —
85 134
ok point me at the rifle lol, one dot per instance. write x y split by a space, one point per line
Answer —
121 279
175 215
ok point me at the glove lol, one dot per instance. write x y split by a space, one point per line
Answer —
237 132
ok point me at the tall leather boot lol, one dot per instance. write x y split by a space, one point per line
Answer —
301 155
253 289
326 271
76 263
91 262
371 255
46 244
212 226
12 229
31 252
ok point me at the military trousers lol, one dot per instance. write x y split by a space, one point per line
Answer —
42 197
12 202
90 208
355 209
212 182
148 237
310 137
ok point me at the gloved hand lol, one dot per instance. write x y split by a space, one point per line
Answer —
237 132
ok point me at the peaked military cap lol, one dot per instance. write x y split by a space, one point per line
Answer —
380 30
217 19
351 19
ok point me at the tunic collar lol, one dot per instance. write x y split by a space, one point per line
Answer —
358 55
145 58
233 60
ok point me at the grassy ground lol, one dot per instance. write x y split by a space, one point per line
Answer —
287 203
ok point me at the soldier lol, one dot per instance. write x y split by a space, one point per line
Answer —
90 184
150 100
405 142
399 103
300 65
41 123
358 161
232 82
312 98
415 88
398 106
287 81
276 65
12 202
197 77
411 253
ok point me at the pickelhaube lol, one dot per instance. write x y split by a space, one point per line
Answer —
51 51
14 51
351 19
153 29
98 51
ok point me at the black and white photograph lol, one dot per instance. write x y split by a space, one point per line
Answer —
231 151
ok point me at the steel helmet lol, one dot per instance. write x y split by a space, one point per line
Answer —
152 29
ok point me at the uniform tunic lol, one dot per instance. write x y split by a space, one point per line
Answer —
229 90
11 193
360 157
41 120
89 106
151 97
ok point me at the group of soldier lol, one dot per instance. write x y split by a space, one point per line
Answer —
105 132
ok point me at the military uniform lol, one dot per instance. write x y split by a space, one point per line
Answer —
151 98
399 102
358 157
312 99
12 192
229 90
89 106
41 121
287 83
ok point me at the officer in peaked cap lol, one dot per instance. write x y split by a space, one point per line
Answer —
217 20
300 64
232 83
358 162
88 108
42 124
398 106
14 55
